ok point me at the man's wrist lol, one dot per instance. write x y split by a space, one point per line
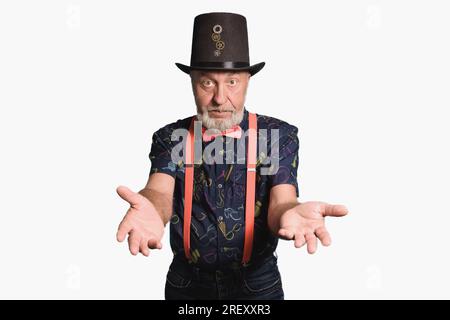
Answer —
161 203
275 214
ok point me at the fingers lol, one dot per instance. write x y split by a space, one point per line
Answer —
311 242
299 240
298 237
143 248
323 236
154 244
333 210
129 196
124 229
151 243
134 242
137 243
286 234
310 238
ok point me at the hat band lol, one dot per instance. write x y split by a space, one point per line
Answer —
222 65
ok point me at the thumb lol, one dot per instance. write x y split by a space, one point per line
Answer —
333 210
129 196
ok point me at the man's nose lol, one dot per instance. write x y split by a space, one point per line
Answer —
220 96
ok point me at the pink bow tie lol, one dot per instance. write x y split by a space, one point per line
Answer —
234 132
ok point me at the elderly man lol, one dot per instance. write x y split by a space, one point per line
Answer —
227 208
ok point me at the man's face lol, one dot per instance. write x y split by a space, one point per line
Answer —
220 97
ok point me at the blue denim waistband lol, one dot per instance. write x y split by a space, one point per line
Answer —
182 266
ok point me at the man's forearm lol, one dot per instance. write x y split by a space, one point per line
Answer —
161 201
275 213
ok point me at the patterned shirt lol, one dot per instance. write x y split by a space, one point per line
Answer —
218 214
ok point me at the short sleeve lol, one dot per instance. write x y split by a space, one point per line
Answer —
160 154
288 148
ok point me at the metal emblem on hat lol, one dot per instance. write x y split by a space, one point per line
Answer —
215 37
220 44
217 28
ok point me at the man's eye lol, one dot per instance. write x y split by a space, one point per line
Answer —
233 82
207 83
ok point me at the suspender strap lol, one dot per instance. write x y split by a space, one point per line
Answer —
250 190
249 196
188 189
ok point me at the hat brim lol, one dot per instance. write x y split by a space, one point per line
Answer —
251 69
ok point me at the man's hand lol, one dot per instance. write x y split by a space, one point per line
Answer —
305 222
142 223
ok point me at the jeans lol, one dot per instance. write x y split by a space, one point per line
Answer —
259 280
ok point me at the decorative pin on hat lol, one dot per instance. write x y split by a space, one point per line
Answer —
220 42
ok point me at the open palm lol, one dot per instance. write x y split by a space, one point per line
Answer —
142 223
305 223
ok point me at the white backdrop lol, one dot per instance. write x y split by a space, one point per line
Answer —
84 84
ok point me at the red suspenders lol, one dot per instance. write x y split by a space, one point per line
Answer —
188 188
249 196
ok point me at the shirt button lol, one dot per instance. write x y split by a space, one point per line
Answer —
219 186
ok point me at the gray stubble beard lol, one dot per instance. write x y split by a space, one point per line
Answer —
220 124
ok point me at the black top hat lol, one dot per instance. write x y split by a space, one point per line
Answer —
220 42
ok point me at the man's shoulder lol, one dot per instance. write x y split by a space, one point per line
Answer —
168 129
267 122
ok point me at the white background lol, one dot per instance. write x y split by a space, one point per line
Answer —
84 84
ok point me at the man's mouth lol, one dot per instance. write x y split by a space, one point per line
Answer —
220 113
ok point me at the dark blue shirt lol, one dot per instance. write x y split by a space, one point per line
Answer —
218 217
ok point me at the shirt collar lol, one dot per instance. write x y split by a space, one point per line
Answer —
244 123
